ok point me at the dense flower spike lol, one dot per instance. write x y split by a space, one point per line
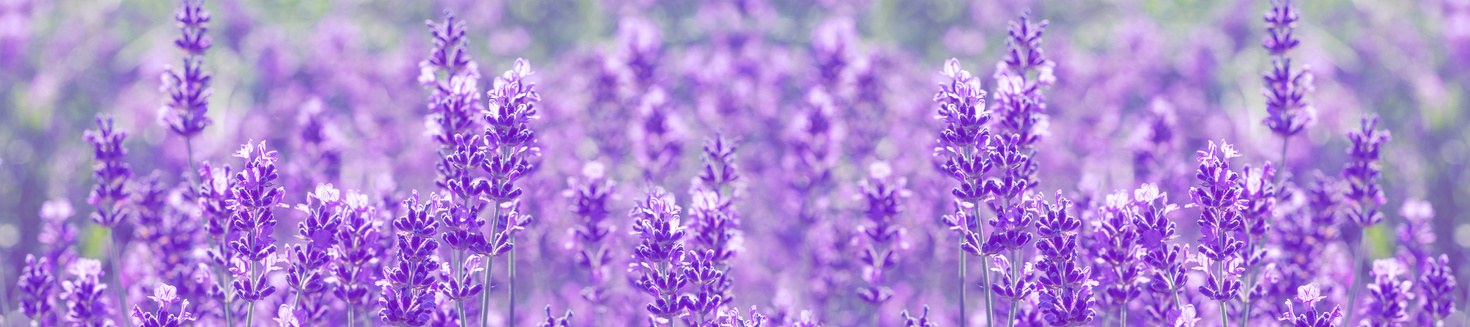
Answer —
355 252
1219 197
1118 237
884 197
253 196
407 294
715 230
35 284
510 145
1361 173
1287 110
1437 283
109 196
659 256
961 152
1020 78
188 89
1388 295
307 274
589 196
1063 278
1150 210
85 305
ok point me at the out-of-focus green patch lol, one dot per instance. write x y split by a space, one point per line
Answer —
90 242
1447 113
1379 242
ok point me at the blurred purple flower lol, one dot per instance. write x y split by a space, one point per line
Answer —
188 90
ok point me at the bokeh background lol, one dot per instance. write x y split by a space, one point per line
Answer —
344 72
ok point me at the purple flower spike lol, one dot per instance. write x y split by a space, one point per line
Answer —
659 255
657 136
1063 279
109 196
919 321
1308 295
1438 285
307 274
35 284
407 298
716 226
188 90
1362 173
253 195
589 197
554 321
85 305
1388 295
1287 111
356 250
885 197
1219 196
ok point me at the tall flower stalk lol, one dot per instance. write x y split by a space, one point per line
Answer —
85 304
1062 276
355 251
1287 110
307 275
1218 195
716 226
659 256
187 89
883 197
962 146
509 145
252 198
110 195
589 197
1364 196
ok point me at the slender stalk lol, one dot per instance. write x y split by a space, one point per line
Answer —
489 263
349 314
117 281
511 270
985 274
189 147
250 308
1015 273
1285 141
1250 283
1357 275
964 318
1220 274
1123 315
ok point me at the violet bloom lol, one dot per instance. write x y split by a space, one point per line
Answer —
1150 214
109 196
1416 234
812 153
85 305
35 284
589 197
1218 195
1308 295
658 136
355 254
659 255
1063 278
884 197
408 297
165 295
509 145
962 146
1117 238
1259 199
307 273
188 89
253 195
1287 111
1362 173
1018 99
1388 295
716 226
1438 284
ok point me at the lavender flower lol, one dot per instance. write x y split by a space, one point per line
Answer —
1219 197
1287 111
35 285
589 203
354 254
188 89
85 305
962 146
1118 237
253 194
1259 198
812 153
1437 283
884 198
1416 234
732 318
509 145
165 295
715 229
407 298
1019 100
658 136
111 172
1388 295
1063 279
307 273
659 254
455 97
1309 295
110 195
1150 210
1362 173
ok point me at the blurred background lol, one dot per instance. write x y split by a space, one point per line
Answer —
332 84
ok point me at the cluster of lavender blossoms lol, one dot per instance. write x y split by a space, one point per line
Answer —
841 207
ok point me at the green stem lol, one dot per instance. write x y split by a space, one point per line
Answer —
1123 315
489 263
1281 174
511 270
964 318
985 287
349 314
117 281
189 147
1357 275
1220 274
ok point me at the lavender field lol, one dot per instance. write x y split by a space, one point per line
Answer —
734 163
